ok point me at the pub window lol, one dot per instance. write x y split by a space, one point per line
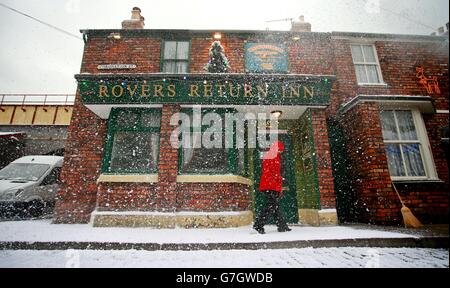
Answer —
133 141
406 144
176 57
366 64
214 161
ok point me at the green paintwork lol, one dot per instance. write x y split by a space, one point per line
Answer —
308 195
213 91
114 127
342 174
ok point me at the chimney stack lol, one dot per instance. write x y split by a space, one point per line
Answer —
136 21
441 31
301 25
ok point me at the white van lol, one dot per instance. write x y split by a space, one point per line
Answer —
29 184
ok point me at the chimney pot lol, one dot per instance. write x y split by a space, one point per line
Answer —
301 25
136 21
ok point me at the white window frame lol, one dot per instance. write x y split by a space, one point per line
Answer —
424 146
365 64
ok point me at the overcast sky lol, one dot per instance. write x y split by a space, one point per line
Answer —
37 59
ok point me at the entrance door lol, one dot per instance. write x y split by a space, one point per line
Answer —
288 203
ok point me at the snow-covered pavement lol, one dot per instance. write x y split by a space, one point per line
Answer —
348 257
44 231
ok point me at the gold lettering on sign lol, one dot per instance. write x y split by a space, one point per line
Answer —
132 91
295 92
103 91
207 90
283 90
145 89
231 90
308 93
194 91
220 89
158 91
248 91
171 89
113 90
262 91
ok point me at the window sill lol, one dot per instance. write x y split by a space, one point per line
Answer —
372 84
214 179
128 178
418 181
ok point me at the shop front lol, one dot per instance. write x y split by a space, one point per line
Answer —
169 126
185 150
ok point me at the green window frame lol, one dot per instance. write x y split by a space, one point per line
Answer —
116 125
175 59
232 153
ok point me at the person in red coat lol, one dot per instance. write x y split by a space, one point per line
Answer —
271 185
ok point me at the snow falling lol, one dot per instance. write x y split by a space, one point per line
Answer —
158 156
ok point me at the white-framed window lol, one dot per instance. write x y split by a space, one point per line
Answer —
367 68
407 147
175 57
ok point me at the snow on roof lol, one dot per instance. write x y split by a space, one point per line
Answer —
39 159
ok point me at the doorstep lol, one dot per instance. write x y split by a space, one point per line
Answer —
184 219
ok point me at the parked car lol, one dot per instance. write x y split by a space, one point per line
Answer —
29 185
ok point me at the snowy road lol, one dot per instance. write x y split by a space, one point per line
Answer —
289 258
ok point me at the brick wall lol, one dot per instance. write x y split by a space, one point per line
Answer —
213 197
82 164
143 52
376 200
77 196
312 54
398 61
127 196
322 148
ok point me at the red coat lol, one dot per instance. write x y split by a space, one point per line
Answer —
271 178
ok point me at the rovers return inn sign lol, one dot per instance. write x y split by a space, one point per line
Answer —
229 89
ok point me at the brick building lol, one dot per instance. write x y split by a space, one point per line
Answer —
358 113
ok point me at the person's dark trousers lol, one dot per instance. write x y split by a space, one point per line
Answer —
272 209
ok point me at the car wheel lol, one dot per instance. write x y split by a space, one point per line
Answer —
36 208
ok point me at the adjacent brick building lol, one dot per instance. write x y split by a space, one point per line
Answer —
359 113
